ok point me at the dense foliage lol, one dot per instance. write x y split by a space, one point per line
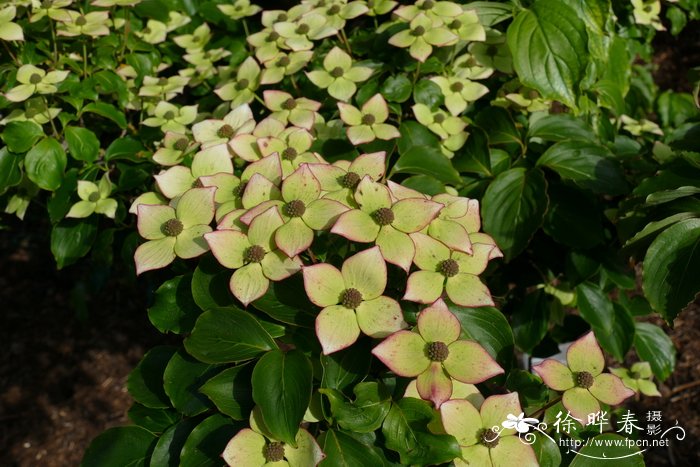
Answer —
358 214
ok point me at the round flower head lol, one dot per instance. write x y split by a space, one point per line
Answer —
352 300
479 433
434 354
92 24
367 123
299 112
279 64
94 198
582 380
339 75
421 36
242 90
169 117
213 132
300 33
459 92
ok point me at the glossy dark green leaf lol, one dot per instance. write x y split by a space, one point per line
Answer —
397 88
672 268
343 450
366 413
427 160
71 239
124 446
343 368
549 47
474 157
618 340
654 346
174 309
207 441
428 93
62 199
21 136
154 420
145 382
608 447
531 390
82 143
182 378
108 111
513 208
414 134
573 219
231 391
10 174
282 384
488 327
45 164
492 13
283 302
561 127
425 184
531 320
227 335
210 284
124 148
167 450
499 126
595 306
547 452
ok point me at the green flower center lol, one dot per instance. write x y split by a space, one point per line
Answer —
181 144
349 180
197 184
47 4
351 298
272 37
289 104
146 30
383 216
254 254
238 191
532 94
418 31
439 118
334 10
647 9
289 154
35 78
337 72
456 24
169 115
437 351
427 5
491 51
80 21
584 379
171 228
283 61
448 268
94 197
195 38
303 29
282 17
226 131
456 87
489 438
162 81
295 208
368 119
238 7
242 84
635 375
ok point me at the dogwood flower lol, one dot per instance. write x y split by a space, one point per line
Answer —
300 33
176 180
647 12
94 198
279 64
449 128
10 31
239 10
637 127
385 222
54 9
173 149
299 112
582 380
176 20
494 52
242 90
337 12
339 75
34 80
169 117
380 7
638 378
255 447
437 11
478 432
254 256
38 114
352 300
459 92
155 32
176 231
195 41
238 121
455 272
340 179
367 123
467 27
421 36
92 24
468 67
165 88
433 354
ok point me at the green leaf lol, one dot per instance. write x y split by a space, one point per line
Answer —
207 441
654 346
587 164
428 93
225 335
397 88
124 148
167 450
650 230
45 164
513 208
530 388
605 448
671 268
21 136
282 384
343 450
10 175
82 143
174 309
283 302
499 126
547 452
549 49
427 160
531 320
366 413
561 127
414 134
618 340
124 446
492 13
487 326
62 199
71 239
145 382
665 196
341 369
107 111
231 391
406 431
182 379
154 420
474 157
573 219
595 306
210 284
